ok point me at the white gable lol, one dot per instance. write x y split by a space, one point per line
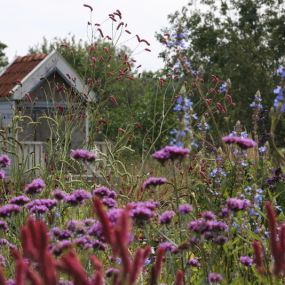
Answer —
53 62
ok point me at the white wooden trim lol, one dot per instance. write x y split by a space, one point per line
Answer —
53 62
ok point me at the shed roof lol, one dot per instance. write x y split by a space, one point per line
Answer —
18 70
26 73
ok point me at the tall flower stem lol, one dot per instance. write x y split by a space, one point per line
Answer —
175 186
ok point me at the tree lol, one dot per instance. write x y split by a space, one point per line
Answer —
243 40
3 58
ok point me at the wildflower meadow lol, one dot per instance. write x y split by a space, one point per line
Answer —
182 194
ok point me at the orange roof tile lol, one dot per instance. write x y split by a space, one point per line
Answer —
21 67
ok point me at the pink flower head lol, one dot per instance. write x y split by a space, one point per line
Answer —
170 152
242 142
83 154
154 181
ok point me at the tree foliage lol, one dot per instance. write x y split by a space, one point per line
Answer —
3 58
243 40
130 104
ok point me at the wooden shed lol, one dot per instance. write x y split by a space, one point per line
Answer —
34 87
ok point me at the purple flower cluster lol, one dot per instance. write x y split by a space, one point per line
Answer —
36 186
104 192
154 181
41 206
58 194
77 197
60 234
76 227
194 262
236 204
142 211
244 143
8 210
170 152
208 215
168 246
4 160
202 226
215 277
185 209
83 154
246 260
107 196
19 200
166 217
3 226
209 229
60 246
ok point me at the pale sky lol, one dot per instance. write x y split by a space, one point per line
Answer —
23 23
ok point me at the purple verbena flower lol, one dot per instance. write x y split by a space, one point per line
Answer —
166 217
246 260
77 197
58 194
83 154
194 262
19 200
59 247
60 234
3 226
36 186
110 272
76 226
185 209
4 160
170 152
215 277
168 246
208 215
236 204
242 142
154 181
97 244
109 202
83 242
48 203
8 210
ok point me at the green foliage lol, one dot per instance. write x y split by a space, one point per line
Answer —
127 103
240 40
3 58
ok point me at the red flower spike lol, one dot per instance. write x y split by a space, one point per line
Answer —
138 263
21 272
106 226
101 33
88 6
27 243
282 238
120 25
258 256
2 277
221 108
35 278
98 279
147 252
74 268
156 269
122 250
179 278
96 263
